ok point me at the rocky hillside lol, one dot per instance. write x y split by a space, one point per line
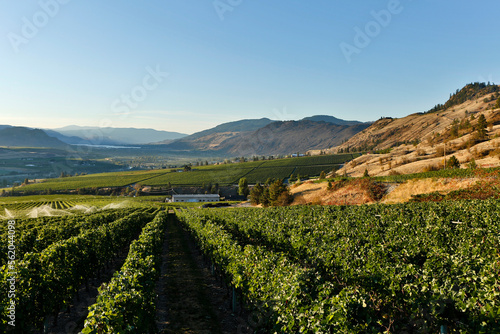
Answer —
468 131
391 132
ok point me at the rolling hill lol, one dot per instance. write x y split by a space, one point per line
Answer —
211 138
26 137
330 119
267 137
113 136
289 137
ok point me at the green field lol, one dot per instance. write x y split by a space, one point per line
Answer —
60 205
118 179
224 174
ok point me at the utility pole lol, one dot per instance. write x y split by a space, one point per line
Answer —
444 155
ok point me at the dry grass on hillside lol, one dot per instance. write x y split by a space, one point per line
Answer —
403 193
388 132
354 192
409 159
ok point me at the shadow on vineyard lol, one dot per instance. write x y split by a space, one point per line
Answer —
195 301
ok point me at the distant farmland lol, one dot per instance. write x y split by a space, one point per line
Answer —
226 174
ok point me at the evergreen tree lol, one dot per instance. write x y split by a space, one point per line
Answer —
453 162
481 127
366 174
269 181
256 194
275 190
322 176
264 198
243 187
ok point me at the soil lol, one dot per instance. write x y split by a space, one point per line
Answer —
190 299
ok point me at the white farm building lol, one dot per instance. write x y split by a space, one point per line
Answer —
196 198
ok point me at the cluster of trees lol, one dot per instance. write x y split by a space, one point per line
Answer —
64 174
297 178
210 188
472 90
477 127
349 149
272 193
271 157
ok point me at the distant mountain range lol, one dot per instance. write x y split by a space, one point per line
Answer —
240 138
268 137
111 136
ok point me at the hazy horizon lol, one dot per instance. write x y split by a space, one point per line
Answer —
65 127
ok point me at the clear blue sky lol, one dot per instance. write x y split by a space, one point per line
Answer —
89 62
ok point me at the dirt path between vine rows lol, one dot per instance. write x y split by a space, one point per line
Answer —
190 299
